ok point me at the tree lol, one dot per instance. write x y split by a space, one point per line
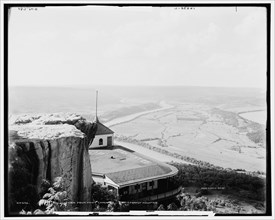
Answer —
102 194
22 191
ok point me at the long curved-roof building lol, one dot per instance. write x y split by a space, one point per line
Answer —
131 175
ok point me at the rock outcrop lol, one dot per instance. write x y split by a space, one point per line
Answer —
50 146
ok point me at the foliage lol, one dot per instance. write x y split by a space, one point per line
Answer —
55 199
172 207
255 131
102 194
229 206
258 136
113 206
36 212
247 186
45 185
22 192
161 207
190 203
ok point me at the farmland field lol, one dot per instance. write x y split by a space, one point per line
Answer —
199 131
204 123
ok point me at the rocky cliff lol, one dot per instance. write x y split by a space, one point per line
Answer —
49 146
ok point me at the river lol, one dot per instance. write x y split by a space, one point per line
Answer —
257 116
127 118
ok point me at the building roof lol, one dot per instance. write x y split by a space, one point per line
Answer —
126 167
142 173
101 128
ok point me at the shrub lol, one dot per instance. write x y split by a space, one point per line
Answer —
56 198
248 186
102 194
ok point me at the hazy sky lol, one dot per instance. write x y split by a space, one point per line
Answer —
138 46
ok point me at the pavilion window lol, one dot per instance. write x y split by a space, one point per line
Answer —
100 141
144 186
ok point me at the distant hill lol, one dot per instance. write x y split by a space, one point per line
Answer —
82 100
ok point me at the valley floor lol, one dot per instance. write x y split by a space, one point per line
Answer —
195 130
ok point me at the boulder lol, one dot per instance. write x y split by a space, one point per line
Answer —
53 145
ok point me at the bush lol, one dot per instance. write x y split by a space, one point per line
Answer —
172 207
22 191
102 194
248 186
55 199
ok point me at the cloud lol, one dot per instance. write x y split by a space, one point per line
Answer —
156 46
